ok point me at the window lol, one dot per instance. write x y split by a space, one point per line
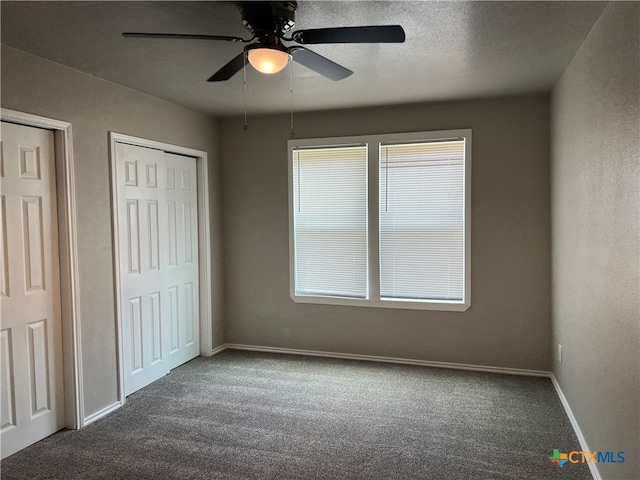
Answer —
330 211
381 220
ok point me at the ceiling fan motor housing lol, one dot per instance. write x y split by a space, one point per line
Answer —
264 18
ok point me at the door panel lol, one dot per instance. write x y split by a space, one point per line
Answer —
182 274
158 262
32 394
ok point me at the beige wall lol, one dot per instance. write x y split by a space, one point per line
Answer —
509 321
596 231
96 107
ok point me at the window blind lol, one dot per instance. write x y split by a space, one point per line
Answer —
422 210
330 221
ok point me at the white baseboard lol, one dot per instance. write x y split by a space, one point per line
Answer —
212 351
101 413
576 428
218 349
375 358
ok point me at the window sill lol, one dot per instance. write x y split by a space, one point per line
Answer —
391 303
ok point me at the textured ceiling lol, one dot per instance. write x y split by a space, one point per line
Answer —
453 50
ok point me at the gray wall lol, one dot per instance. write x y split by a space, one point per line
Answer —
509 321
596 231
96 107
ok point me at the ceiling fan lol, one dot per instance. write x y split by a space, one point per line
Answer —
271 23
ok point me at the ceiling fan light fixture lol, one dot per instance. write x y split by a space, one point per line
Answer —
268 60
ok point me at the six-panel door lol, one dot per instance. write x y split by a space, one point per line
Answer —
32 401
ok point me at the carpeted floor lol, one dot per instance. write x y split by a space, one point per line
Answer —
245 415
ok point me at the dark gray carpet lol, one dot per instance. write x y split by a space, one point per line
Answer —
245 415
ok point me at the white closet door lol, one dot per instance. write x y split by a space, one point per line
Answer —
31 377
181 272
158 264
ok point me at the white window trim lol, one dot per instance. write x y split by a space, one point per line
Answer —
373 207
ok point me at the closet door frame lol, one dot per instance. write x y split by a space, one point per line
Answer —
68 250
204 242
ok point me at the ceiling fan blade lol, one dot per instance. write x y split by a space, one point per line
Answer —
370 34
184 36
229 70
319 64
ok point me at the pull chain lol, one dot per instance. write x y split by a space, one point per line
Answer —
293 133
244 82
